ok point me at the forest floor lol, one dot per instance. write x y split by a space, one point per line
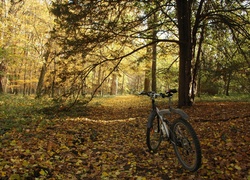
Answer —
107 140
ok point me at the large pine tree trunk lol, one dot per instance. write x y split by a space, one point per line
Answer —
154 68
184 27
154 56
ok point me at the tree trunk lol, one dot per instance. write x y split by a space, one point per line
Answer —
54 81
24 79
100 79
147 81
228 80
154 68
114 84
2 72
185 50
196 68
122 85
43 71
41 80
154 53
1 85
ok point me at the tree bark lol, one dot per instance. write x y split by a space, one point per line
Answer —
228 80
114 84
154 68
43 71
41 80
2 72
154 56
197 67
185 51
147 81
197 63
1 86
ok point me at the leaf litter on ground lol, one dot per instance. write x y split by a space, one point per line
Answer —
110 143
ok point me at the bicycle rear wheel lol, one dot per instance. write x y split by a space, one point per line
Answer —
154 135
186 146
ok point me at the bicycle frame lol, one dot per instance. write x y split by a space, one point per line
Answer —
178 131
162 112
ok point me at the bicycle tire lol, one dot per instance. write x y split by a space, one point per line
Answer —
154 134
187 145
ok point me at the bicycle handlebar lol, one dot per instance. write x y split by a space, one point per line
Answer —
152 94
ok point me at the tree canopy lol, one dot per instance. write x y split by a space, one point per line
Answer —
89 26
110 47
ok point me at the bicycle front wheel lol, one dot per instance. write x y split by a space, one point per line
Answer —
186 146
154 135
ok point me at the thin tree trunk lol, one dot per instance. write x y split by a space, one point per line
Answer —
114 84
43 71
122 85
53 81
24 79
2 72
1 86
41 80
100 78
197 67
228 83
147 81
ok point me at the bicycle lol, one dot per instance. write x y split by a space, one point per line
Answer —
179 133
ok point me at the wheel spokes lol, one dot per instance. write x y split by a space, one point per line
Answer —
184 145
155 136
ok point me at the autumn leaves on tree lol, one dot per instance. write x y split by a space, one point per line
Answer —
147 25
77 48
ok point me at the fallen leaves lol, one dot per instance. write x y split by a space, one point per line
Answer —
99 147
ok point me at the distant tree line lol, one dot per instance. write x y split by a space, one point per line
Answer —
78 48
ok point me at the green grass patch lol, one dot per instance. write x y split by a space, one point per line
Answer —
21 112
221 98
